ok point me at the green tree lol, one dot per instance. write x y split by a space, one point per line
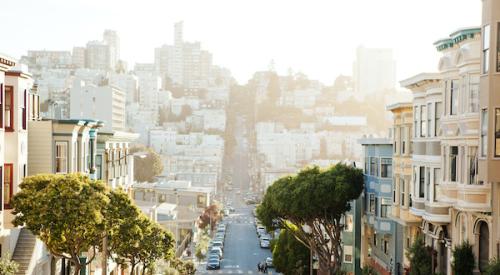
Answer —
493 268
420 258
63 211
368 270
156 244
146 167
183 267
463 259
125 224
311 204
289 255
7 266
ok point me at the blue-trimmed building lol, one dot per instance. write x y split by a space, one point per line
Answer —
381 241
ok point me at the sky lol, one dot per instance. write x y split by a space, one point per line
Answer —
316 37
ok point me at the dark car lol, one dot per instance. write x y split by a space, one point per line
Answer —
213 263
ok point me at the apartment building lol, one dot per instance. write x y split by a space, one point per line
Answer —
402 185
381 239
485 228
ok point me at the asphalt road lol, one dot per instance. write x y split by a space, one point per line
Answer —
242 251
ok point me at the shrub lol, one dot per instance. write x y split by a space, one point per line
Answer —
368 270
463 259
493 268
420 258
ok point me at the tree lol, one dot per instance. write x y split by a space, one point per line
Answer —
290 256
420 258
63 211
125 224
311 205
156 244
210 216
148 167
7 266
493 268
463 259
183 267
273 88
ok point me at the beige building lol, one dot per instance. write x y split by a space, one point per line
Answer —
402 175
485 228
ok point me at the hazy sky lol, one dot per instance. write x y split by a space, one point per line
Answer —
317 37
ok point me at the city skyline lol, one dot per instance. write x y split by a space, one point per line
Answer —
244 45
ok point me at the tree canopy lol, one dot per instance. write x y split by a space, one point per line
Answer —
64 211
311 205
290 256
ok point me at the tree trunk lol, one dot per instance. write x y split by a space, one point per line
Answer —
132 269
77 269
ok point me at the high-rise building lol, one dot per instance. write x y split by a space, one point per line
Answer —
374 70
111 38
99 56
177 74
79 57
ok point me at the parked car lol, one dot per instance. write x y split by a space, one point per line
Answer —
220 235
265 243
213 264
269 262
217 243
261 230
216 251
265 236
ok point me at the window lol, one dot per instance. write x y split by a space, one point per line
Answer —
473 162
1 105
402 191
486 48
375 240
384 208
348 223
428 184
454 91
98 166
347 254
61 157
437 180
386 168
473 93
394 193
415 121
453 163
9 108
429 119
497 132
372 203
404 138
374 166
421 182
25 98
498 47
437 117
8 187
484 132
367 165
386 247
423 121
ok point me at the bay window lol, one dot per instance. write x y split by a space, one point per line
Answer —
486 48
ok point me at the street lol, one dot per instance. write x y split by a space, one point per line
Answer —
241 250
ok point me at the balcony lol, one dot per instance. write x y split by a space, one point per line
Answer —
437 212
474 197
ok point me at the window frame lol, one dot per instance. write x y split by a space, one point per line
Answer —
437 117
423 121
496 142
10 167
56 157
453 160
486 38
484 132
454 97
24 111
421 182
388 167
10 128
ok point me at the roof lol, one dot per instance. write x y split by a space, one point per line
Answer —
456 37
399 105
420 79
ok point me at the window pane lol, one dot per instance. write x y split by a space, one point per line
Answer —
421 182
423 120
497 132
498 47
453 163
486 48
454 90
437 123
484 132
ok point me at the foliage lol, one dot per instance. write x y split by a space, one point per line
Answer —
202 246
311 203
290 116
210 216
183 267
368 270
7 266
493 268
171 271
156 244
420 258
289 255
148 167
63 211
463 259
273 88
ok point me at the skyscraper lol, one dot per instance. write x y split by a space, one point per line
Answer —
374 70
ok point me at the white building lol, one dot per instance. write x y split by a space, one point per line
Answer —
105 103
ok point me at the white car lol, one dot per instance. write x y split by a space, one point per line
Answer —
265 243
269 262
